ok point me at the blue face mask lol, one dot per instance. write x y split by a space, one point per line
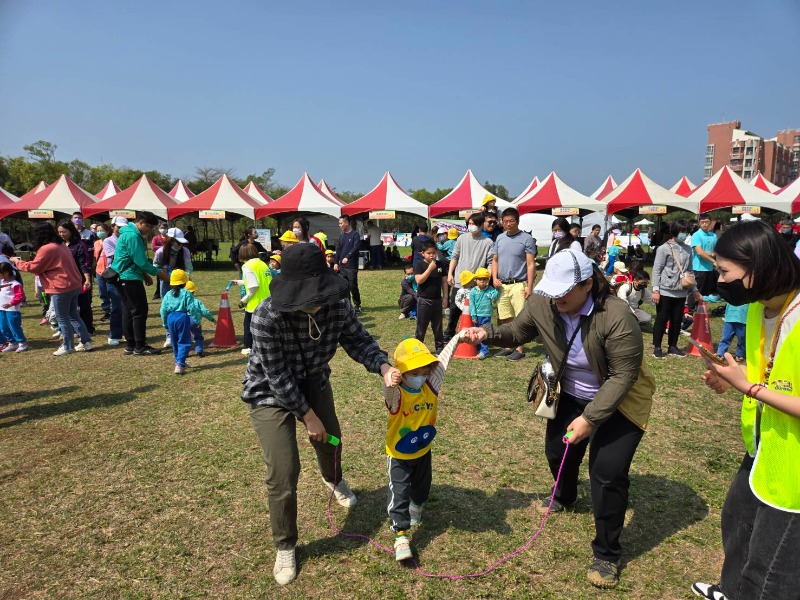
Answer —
414 382
682 237
409 277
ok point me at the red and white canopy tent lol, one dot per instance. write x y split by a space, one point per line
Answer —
683 187
605 189
553 195
386 196
223 197
142 195
109 189
181 193
638 191
257 193
789 197
304 197
63 196
727 190
763 183
323 187
531 186
39 187
7 198
467 195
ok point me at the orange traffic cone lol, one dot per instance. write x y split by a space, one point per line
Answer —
701 330
224 336
464 349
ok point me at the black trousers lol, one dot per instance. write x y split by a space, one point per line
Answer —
85 310
407 303
248 337
668 310
429 312
611 450
455 314
351 275
409 481
134 313
706 285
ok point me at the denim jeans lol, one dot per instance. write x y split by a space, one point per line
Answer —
197 337
761 545
102 291
480 322
729 330
115 312
65 305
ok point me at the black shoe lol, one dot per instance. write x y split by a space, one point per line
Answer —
358 310
105 317
147 351
556 508
603 574
504 352
707 590
129 351
675 351
200 354
515 356
658 353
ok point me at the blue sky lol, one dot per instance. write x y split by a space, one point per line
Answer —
346 90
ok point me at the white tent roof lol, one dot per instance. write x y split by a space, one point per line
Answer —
180 192
223 195
726 189
604 189
323 187
468 194
763 183
683 187
531 186
303 197
109 189
639 190
6 197
387 195
790 197
554 193
142 195
259 195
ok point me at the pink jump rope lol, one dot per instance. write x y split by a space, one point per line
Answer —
335 442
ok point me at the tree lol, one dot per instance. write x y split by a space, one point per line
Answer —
41 151
427 197
264 181
205 177
497 190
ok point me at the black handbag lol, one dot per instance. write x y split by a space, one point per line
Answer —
110 276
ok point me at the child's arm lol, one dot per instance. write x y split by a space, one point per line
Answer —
436 376
164 312
391 396
493 295
473 304
204 311
423 277
18 296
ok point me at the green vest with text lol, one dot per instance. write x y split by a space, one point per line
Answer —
774 437
261 269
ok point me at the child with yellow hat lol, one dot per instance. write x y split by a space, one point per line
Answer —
467 279
330 258
482 301
412 402
288 239
198 311
175 307
445 242
275 264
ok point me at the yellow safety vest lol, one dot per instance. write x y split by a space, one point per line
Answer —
261 269
412 428
774 437
322 237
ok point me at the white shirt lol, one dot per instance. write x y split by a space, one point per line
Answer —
374 236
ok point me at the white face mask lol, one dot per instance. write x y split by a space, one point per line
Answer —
472 228
414 382
297 232
162 231
558 235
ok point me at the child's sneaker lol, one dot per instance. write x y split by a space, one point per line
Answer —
285 569
22 347
344 496
56 335
483 355
167 343
401 317
10 347
180 370
416 514
84 346
402 547
62 351
113 341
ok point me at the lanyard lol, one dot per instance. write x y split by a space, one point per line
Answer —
766 369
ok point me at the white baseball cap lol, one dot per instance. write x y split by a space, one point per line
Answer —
176 234
620 266
564 270
120 221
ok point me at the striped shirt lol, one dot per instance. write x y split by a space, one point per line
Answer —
278 367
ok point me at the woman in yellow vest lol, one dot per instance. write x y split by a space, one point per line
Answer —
761 514
256 278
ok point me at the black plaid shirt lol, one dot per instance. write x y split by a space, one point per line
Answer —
276 367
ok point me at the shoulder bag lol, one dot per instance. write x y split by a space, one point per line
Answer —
544 387
687 280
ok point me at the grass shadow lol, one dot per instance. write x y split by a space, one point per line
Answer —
203 366
22 396
43 411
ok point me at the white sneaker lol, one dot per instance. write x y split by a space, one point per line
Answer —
56 335
22 347
83 346
180 370
402 548
246 351
343 494
10 347
62 351
113 342
401 317
285 569
167 343
416 514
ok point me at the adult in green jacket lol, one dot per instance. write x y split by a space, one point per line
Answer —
135 271
606 392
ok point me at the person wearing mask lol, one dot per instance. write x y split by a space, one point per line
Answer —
115 314
135 271
786 228
296 332
101 231
250 237
173 254
606 393
760 517
347 259
471 252
68 232
301 230
375 245
86 234
155 244
673 258
562 238
635 292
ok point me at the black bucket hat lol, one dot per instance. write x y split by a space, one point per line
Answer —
305 280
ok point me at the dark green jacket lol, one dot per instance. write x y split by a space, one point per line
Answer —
130 255
614 347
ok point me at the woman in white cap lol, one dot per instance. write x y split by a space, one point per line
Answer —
594 341
172 255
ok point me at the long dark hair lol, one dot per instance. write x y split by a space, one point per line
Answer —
565 242
74 236
763 254
601 289
176 289
304 226
180 258
45 233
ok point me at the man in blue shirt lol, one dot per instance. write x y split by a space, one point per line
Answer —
347 259
704 261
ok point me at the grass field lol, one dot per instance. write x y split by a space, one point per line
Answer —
119 479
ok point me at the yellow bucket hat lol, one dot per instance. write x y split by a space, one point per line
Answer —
329 251
289 236
488 198
482 273
190 287
276 257
178 277
466 277
452 233
412 354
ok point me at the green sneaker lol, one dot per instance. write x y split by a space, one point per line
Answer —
603 574
402 547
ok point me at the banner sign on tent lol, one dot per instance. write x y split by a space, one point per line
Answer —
747 210
381 214
459 226
653 209
466 213
212 214
127 214
563 211
40 214
264 237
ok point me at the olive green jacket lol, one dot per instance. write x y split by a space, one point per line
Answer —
614 347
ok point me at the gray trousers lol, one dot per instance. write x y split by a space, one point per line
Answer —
409 481
276 429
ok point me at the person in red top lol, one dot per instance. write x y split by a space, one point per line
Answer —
60 278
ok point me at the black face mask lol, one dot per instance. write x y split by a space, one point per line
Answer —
735 293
